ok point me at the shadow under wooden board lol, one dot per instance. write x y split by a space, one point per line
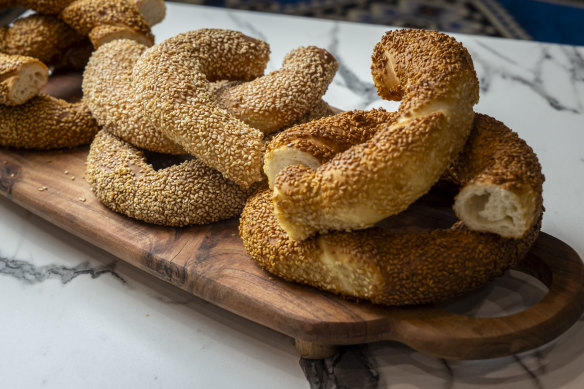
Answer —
210 262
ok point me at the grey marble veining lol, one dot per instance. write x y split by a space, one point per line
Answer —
495 66
30 273
530 374
248 28
346 78
350 368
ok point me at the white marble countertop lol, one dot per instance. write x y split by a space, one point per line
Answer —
74 316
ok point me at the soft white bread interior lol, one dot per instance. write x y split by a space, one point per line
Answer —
489 207
22 79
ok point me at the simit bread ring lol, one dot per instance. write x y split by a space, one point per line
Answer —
21 78
405 266
179 195
45 122
280 98
44 37
185 194
85 15
435 78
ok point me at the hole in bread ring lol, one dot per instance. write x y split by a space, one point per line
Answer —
177 195
398 264
435 79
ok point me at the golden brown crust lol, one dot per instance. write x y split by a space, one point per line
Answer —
282 97
179 195
44 37
120 113
502 181
382 266
84 15
401 73
383 175
45 122
21 78
172 86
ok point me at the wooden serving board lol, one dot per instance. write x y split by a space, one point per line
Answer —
210 262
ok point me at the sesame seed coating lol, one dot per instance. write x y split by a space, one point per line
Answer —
392 267
116 109
172 85
45 122
280 98
501 178
84 15
43 6
119 113
396 264
419 67
21 78
434 77
179 195
44 37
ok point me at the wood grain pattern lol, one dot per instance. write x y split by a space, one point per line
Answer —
210 262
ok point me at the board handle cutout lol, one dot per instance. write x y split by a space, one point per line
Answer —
455 336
